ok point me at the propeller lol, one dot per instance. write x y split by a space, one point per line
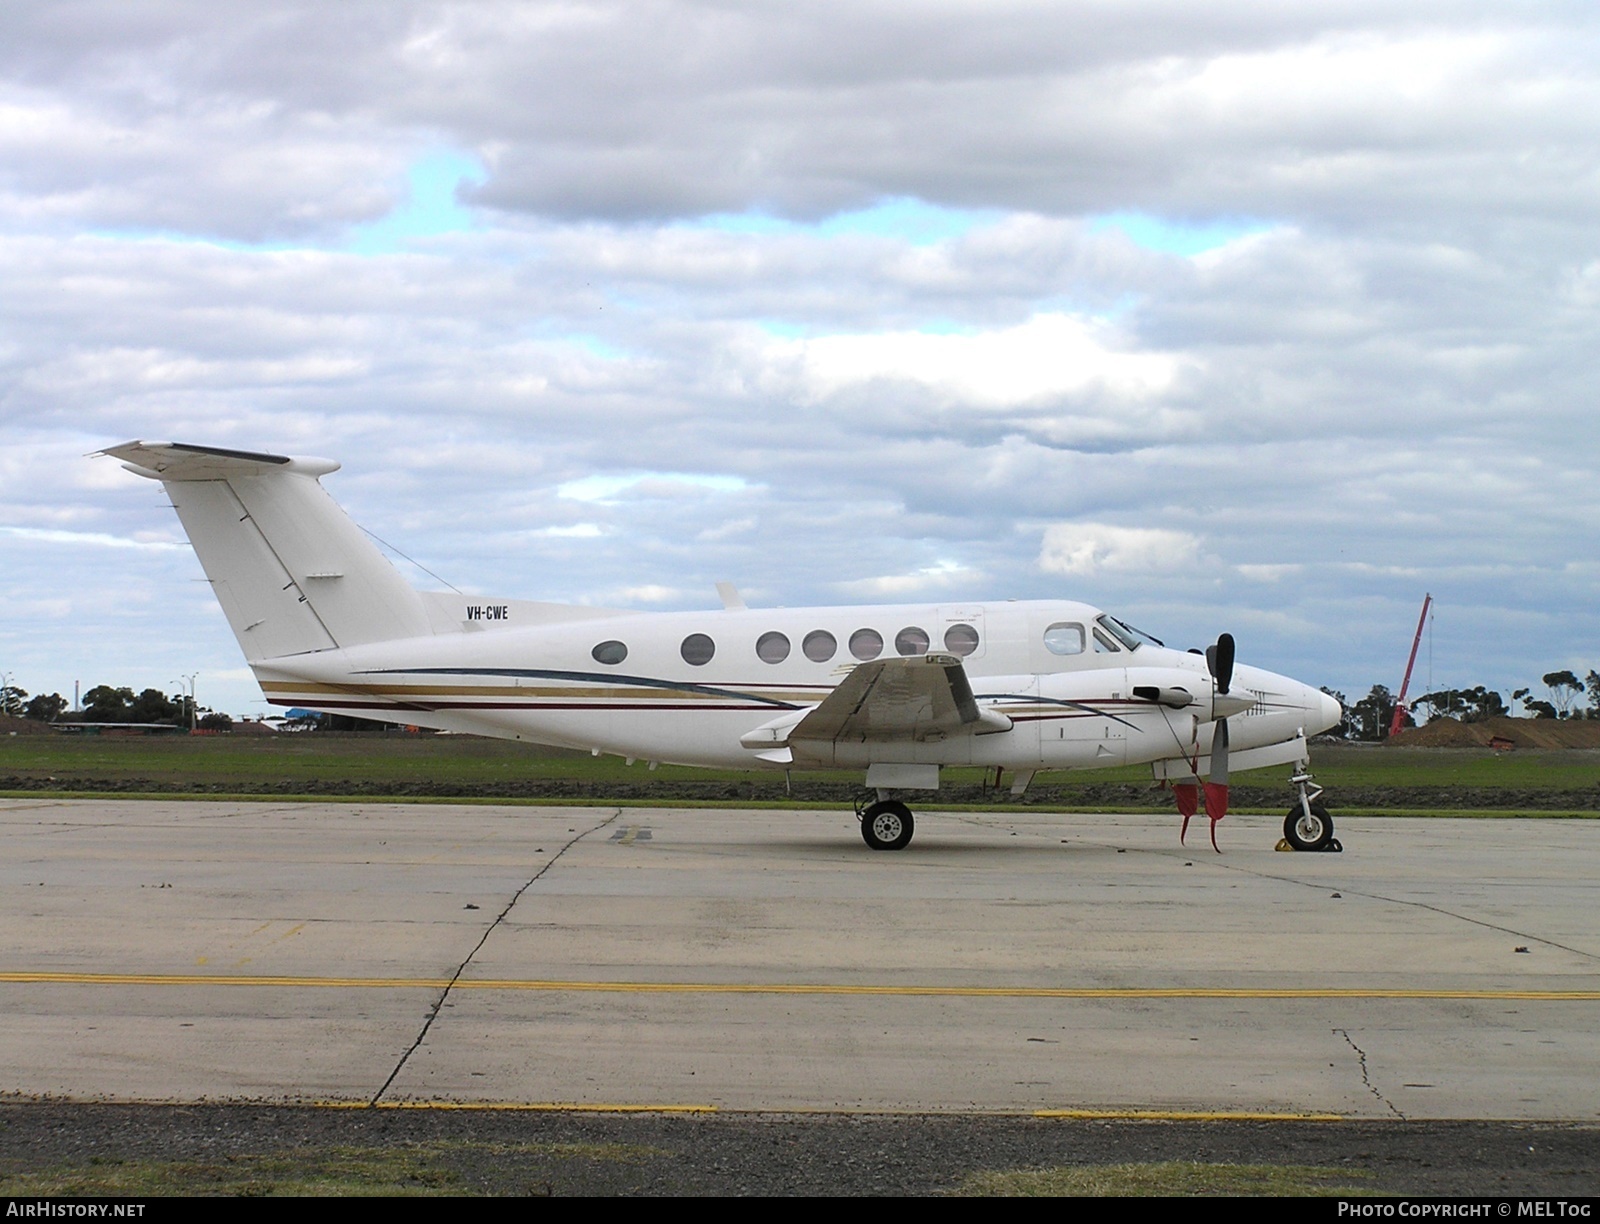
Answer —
1219 662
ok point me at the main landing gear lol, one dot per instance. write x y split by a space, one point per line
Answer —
886 824
1308 825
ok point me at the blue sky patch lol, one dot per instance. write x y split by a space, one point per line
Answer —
1177 237
432 209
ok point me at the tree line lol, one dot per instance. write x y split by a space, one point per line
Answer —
107 704
1371 717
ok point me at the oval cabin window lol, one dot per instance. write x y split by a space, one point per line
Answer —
819 646
866 644
911 641
772 648
610 653
961 640
697 649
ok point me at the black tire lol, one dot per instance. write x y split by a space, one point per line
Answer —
887 825
1308 833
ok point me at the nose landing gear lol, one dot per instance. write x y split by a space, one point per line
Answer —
1308 825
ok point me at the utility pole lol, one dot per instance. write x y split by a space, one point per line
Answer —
193 712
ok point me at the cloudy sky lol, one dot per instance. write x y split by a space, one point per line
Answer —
1245 316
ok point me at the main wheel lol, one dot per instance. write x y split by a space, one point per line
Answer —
1308 832
887 825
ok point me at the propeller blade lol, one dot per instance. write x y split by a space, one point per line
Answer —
1219 753
1188 796
1219 660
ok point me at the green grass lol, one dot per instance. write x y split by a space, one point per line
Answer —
210 763
411 1169
1172 1177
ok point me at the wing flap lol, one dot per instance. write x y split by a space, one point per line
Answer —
918 698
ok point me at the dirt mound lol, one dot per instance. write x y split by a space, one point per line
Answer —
21 726
1518 732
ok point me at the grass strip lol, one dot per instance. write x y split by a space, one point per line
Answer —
1165 1178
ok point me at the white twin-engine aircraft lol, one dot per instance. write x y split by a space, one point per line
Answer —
897 691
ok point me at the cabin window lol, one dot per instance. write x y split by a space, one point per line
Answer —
772 648
866 644
961 640
1064 639
697 649
911 641
819 645
610 653
1103 643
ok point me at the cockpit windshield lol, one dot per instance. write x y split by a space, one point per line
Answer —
1126 634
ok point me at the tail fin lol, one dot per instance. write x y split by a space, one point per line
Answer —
292 572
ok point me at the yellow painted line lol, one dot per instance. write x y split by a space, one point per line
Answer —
792 988
517 1107
1184 1115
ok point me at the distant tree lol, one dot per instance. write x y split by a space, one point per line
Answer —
1592 683
106 704
1564 688
212 721
153 706
1540 709
11 700
45 708
103 703
1370 717
1483 704
1464 705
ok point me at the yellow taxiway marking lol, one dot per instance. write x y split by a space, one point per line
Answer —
518 1106
1091 1115
791 988
1184 1115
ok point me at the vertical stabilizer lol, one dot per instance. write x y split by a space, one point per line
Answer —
290 569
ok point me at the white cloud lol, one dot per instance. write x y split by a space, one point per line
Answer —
1043 359
1088 549
940 576
1268 573
92 539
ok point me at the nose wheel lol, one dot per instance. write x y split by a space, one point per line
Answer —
887 825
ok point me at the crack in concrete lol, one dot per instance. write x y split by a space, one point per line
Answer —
439 1003
1361 1059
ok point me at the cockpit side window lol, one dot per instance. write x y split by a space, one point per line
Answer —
1064 638
1103 643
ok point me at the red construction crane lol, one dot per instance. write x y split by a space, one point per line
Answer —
1400 707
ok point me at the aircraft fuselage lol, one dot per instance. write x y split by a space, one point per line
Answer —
685 687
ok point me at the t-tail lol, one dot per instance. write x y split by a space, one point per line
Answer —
292 572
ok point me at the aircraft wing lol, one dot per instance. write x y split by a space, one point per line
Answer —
888 699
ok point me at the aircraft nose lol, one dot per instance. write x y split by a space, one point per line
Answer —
1328 712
